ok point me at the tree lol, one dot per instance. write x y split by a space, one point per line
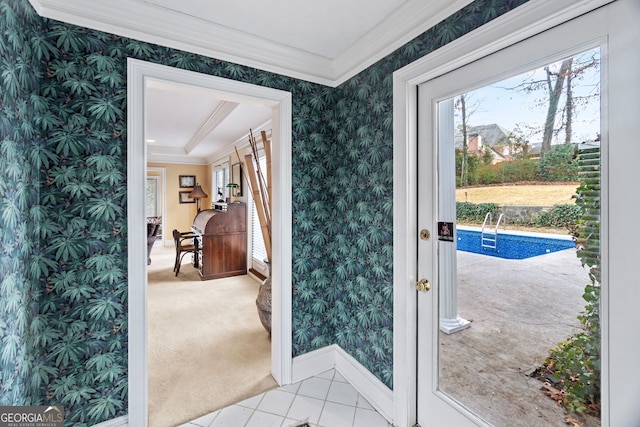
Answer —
466 111
555 91
464 173
487 155
558 164
558 83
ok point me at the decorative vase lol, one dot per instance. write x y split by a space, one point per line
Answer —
263 301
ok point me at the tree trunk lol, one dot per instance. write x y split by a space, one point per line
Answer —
568 129
554 99
464 170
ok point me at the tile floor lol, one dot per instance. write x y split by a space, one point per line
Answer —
326 400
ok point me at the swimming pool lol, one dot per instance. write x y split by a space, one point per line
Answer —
512 244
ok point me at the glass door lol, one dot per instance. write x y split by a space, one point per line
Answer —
496 313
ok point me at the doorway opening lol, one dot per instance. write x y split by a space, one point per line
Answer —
231 91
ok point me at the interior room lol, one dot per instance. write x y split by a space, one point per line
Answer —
349 89
195 139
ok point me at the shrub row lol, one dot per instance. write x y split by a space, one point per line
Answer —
514 171
559 216
471 212
558 164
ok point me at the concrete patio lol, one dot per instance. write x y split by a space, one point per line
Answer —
519 310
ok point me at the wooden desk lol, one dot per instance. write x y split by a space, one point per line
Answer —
221 236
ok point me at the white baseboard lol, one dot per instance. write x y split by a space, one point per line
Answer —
122 421
313 363
371 388
318 361
334 357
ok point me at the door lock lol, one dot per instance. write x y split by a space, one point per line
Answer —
423 285
424 234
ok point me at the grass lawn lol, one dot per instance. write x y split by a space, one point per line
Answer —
519 195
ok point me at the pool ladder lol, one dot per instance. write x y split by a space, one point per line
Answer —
490 234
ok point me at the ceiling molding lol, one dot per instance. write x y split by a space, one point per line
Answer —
142 21
240 144
217 116
406 23
166 157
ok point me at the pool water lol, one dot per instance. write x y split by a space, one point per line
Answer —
513 245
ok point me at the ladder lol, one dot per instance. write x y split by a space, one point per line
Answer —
490 234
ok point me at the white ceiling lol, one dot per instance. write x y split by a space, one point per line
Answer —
311 26
191 125
322 41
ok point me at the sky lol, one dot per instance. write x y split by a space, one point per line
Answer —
509 107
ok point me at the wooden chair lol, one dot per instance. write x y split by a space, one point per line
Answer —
183 247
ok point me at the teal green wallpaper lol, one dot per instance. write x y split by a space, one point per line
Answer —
21 142
63 295
361 234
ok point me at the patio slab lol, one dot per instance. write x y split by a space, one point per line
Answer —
519 310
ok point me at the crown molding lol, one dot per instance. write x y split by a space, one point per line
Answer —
167 157
163 154
406 23
146 22
240 144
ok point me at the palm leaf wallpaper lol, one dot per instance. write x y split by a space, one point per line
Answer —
63 215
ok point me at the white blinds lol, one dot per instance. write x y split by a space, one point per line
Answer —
258 252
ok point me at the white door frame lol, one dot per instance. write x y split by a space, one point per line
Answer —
281 103
525 21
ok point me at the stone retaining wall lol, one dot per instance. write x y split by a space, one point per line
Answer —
522 214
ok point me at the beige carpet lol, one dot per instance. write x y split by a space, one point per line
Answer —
207 348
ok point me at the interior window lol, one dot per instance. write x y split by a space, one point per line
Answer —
221 179
258 251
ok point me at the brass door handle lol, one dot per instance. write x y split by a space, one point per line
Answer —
423 285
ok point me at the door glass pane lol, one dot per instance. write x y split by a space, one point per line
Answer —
519 284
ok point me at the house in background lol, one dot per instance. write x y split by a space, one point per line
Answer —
494 138
66 296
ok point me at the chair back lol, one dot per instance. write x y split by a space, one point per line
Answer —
176 238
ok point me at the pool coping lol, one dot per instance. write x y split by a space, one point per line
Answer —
519 233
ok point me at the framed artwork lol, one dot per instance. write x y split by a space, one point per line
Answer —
187 181
236 177
184 197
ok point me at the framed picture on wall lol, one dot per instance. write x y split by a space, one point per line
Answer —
187 181
236 177
184 197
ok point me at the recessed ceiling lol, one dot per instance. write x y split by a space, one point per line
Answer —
311 26
184 124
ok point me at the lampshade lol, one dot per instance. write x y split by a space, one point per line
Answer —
197 193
